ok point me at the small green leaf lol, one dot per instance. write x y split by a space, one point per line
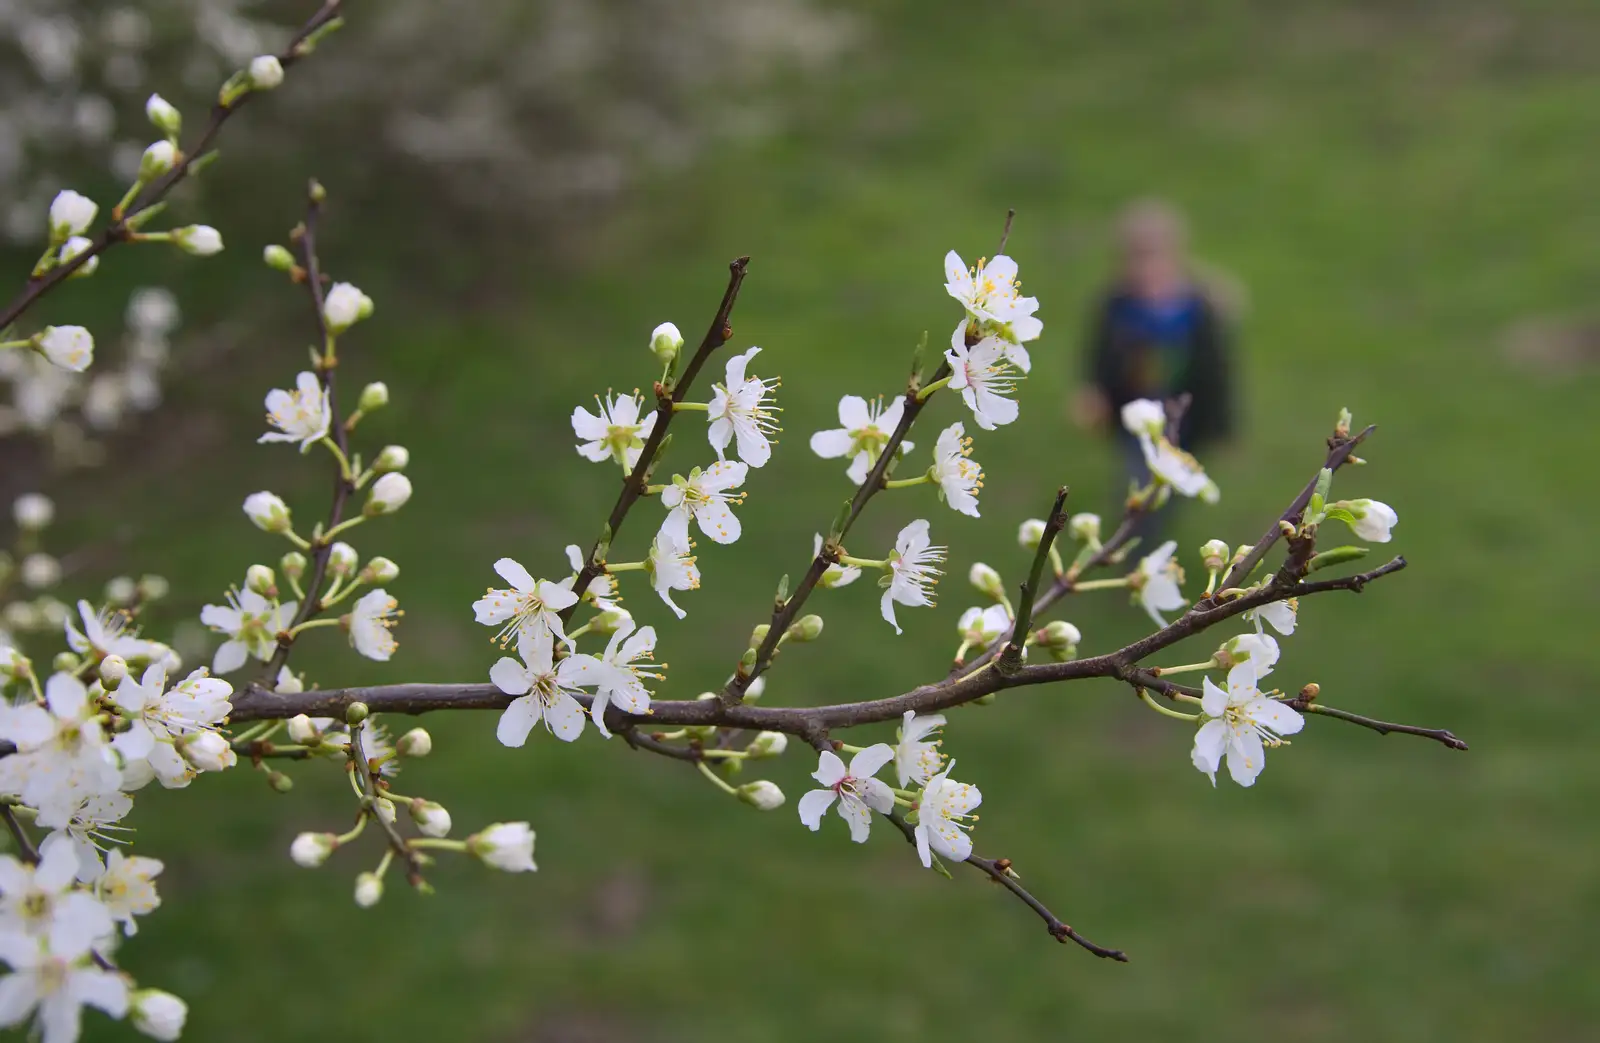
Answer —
1335 556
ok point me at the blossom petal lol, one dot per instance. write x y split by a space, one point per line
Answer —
510 676
518 720
830 769
857 816
871 760
853 413
814 804
829 444
876 794
511 570
1209 743
564 717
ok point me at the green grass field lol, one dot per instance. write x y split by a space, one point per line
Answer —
1397 189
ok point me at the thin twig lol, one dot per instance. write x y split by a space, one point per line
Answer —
367 780
19 833
1440 735
119 230
1011 658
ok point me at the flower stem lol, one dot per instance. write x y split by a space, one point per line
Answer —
348 523
906 483
1187 668
344 461
705 770
16 343
127 199
625 566
437 843
1164 711
863 563
931 388
1101 584
310 623
691 407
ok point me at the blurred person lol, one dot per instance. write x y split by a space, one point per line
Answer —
1159 331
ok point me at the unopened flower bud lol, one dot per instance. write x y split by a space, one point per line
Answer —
1030 533
1261 649
293 564
806 628
159 1015
768 744
13 664
265 72
611 620
986 580
1373 518
72 248
40 571
278 257
432 819
164 115
389 494
157 160
384 808
1214 553
355 713
302 731
369 888
1310 691
33 511
268 512
153 587
312 849
71 213
374 397
207 751
342 559
121 590
666 342
753 692
380 570
1084 527
64 663
260 579
504 845
759 635
113 669
1240 553
392 458
1060 639
279 782
344 306
415 743
762 795
200 240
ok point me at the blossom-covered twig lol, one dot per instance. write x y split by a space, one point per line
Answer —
120 229
634 483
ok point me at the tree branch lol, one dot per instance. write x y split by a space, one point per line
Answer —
1011 657
1439 735
118 231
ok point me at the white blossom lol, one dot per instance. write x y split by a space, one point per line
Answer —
705 496
982 373
62 753
71 213
990 293
157 160
312 849
55 982
371 620
1146 420
108 633
942 811
1281 614
671 567
1156 583
616 677
433 820
344 306
42 902
912 571
958 475
545 689
159 1015
505 845
1260 649
666 342
529 607
70 250
39 571
762 795
865 427
163 114
127 888
617 433
252 624
69 347
88 827
159 721
369 888
916 759
742 410
981 626
834 575
1243 722
1144 416
207 751
855 789
33 511
302 415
